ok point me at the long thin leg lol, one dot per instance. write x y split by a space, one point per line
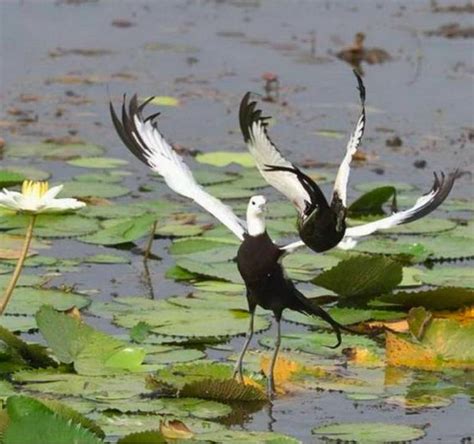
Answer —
271 380
238 364
149 244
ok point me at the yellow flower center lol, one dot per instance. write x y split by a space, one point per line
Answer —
34 190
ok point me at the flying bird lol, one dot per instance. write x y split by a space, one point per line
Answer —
322 224
259 259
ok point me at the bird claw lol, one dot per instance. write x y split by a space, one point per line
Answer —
270 389
238 376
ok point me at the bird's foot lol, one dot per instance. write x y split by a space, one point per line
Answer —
238 375
271 389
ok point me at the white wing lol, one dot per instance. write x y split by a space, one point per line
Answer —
265 153
423 206
342 177
142 138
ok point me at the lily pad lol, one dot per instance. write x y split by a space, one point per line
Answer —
93 189
92 352
444 298
10 178
26 300
123 231
51 151
368 432
226 271
194 323
449 277
423 226
97 162
317 343
224 158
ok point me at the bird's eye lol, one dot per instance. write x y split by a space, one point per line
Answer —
253 203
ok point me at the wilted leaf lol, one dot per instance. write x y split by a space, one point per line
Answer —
418 319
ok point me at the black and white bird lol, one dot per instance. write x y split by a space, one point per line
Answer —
322 225
258 257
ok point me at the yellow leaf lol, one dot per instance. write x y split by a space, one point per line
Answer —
175 429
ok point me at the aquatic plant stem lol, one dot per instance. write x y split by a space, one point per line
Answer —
19 265
150 242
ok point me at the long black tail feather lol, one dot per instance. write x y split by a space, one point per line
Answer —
308 307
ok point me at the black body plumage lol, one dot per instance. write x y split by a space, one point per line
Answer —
258 261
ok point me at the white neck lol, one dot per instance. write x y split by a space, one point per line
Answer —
255 223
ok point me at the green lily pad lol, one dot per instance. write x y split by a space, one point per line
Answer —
224 158
192 323
10 178
30 173
199 244
122 231
317 343
106 259
444 298
93 189
361 277
226 271
51 151
92 352
104 176
97 162
21 324
423 226
209 177
368 432
26 300
449 277
243 437
345 316
165 101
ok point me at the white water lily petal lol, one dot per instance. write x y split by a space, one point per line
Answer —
60 205
36 198
52 192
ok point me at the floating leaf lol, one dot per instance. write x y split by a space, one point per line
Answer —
53 151
50 225
222 270
148 437
206 380
345 316
449 276
165 101
123 231
193 323
445 298
423 226
224 158
26 300
361 276
445 343
368 432
10 178
93 189
318 342
243 437
97 162
372 201
92 352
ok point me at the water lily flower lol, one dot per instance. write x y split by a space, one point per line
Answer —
37 198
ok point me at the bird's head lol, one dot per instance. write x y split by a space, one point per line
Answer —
256 215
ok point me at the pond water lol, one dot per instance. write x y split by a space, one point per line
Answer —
208 54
